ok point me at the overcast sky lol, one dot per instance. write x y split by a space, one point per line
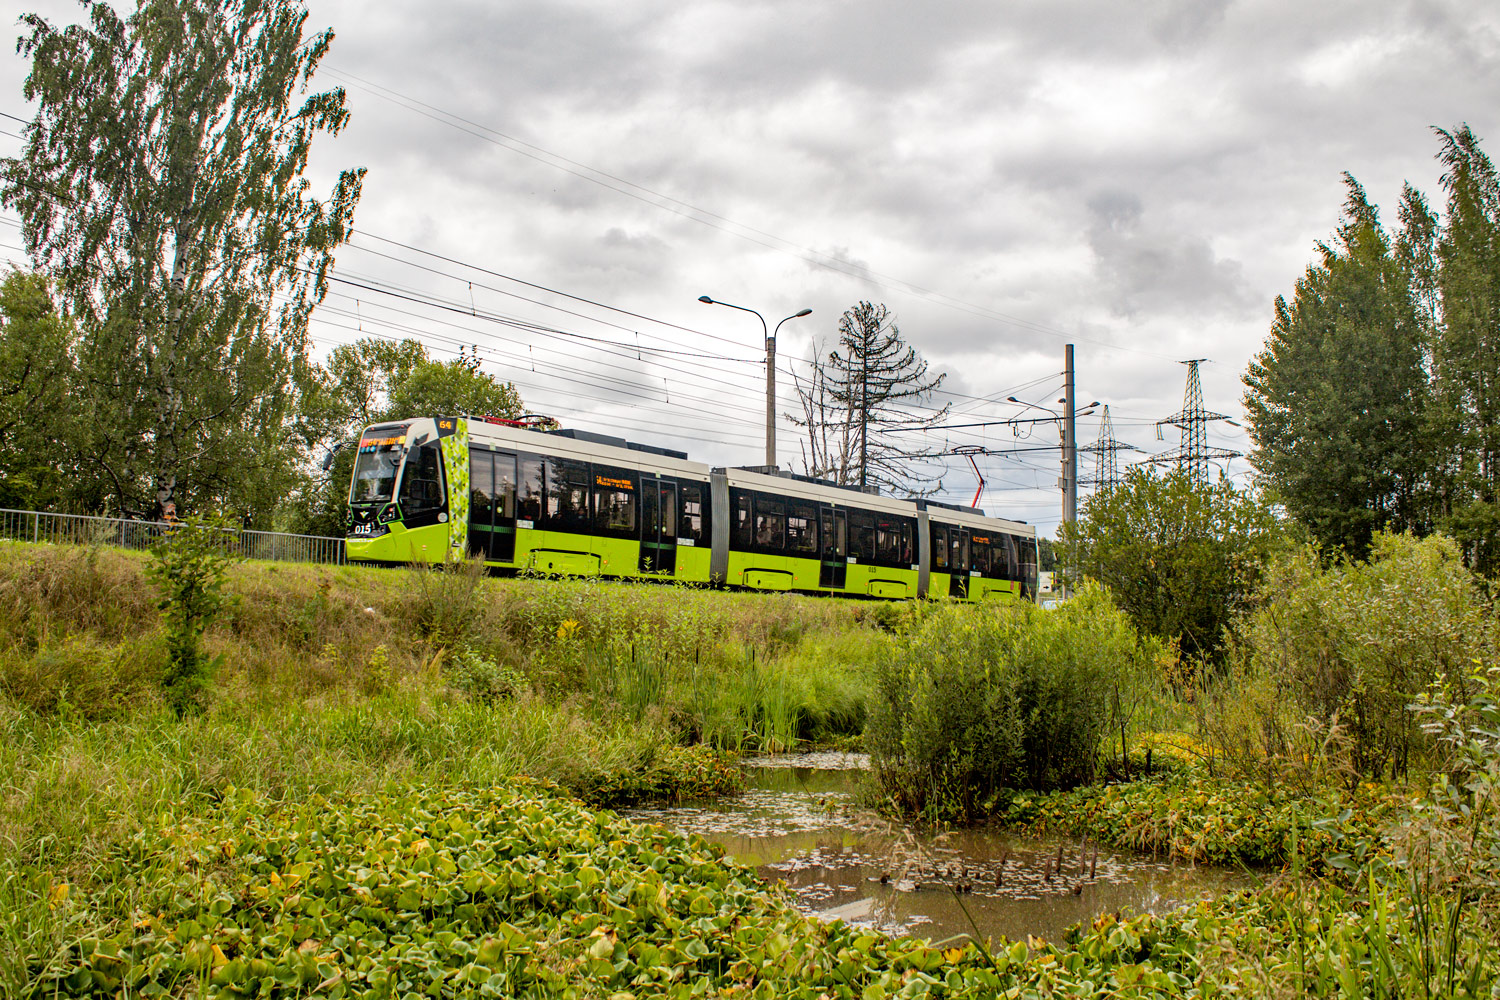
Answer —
1138 179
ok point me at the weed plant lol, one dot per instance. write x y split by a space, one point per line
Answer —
975 701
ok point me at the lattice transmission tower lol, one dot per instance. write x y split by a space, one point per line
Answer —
1192 455
1104 450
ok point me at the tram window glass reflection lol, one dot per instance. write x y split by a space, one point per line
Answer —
862 535
505 486
743 535
614 500
802 528
567 495
668 507
980 550
770 524
481 487
690 524
529 506
958 557
375 472
888 543
940 547
1010 568
421 481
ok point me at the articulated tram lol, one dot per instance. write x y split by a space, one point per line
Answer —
572 502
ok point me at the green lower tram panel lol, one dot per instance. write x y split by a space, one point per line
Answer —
563 554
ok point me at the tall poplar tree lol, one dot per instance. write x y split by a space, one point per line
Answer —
162 189
1466 347
1336 398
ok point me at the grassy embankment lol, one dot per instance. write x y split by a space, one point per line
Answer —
352 814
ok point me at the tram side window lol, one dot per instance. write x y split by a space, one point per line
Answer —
802 529
567 495
742 534
862 535
1006 567
940 547
1028 561
481 487
421 482
614 500
505 486
981 551
770 524
529 507
690 524
888 543
668 507
908 534
958 551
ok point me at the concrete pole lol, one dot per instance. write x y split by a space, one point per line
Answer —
1070 442
771 399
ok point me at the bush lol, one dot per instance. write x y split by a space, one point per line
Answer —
975 700
189 569
1337 655
480 678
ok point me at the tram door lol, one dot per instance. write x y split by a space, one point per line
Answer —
834 561
658 526
958 562
492 505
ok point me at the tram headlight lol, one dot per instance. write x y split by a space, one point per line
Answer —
389 513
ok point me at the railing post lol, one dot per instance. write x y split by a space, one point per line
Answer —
36 527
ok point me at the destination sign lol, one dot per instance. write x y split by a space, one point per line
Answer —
613 483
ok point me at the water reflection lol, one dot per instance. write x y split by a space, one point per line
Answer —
800 822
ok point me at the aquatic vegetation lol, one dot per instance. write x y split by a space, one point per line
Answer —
1192 817
512 891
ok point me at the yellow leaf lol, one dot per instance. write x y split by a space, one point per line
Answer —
58 895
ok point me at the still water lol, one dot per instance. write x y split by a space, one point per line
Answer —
799 822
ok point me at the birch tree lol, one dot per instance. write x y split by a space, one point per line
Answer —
162 190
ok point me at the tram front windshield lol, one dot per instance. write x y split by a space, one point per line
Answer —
379 460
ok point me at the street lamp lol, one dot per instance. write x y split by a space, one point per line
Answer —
770 369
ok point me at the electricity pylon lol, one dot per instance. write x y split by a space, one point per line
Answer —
1193 453
1104 450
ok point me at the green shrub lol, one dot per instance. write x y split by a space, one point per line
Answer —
481 679
977 699
189 569
1336 655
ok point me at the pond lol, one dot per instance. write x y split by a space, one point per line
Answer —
799 821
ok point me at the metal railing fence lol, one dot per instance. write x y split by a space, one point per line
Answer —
83 529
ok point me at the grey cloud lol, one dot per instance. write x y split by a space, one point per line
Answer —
1145 268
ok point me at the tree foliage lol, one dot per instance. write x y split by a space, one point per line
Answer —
1375 405
1181 561
35 375
858 404
1337 397
1466 347
162 189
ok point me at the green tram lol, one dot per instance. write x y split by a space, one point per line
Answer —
571 502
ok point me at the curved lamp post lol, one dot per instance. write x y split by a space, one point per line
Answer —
770 369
